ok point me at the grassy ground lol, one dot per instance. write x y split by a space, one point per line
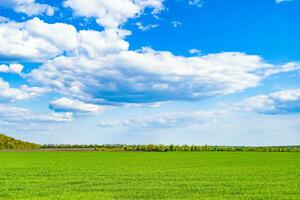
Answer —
203 175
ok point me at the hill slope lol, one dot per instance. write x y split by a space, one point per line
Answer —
11 143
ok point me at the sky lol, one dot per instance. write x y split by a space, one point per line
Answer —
150 71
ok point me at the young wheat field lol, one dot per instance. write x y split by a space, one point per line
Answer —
128 175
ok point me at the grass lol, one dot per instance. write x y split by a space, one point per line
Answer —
174 175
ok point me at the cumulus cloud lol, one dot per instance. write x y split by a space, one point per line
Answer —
71 105
150 76
282 102
94 44
36 40
12 68
29 7
98 67
112 14
8 93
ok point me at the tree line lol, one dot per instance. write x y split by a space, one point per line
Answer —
11 143
179 148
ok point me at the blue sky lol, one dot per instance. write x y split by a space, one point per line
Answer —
151 71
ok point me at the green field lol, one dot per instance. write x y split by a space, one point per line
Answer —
172 175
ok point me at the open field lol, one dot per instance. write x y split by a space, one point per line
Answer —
137 175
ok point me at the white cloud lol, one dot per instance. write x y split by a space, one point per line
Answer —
145 27
282 102
149 76
176 23
195 51
12 68
288 67
12 115
95 44
112 14
75 106
8 93
28 7
98 67
36 40
197 3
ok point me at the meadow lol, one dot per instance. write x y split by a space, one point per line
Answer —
149 175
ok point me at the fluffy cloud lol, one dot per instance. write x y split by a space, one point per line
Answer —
8 93
149 76
28 7
12 115
75 106
12 68
94 44
97 67
36 40
111 14
283 102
